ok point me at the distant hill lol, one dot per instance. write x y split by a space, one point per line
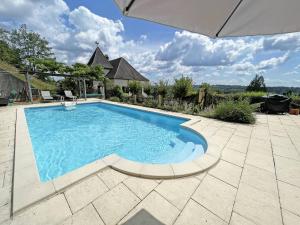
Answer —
239 88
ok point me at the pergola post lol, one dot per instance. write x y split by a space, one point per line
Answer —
27 77
84 86
79 86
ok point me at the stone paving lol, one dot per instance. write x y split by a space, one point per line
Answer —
256 182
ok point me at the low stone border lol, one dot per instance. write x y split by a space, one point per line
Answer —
28 189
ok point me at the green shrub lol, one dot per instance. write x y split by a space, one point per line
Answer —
114 99
183 87
135 87
117 91
235 111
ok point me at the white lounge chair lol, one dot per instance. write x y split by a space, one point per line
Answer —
69 95
46 96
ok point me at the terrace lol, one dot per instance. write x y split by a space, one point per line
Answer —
256 181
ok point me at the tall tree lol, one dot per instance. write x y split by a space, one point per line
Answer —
7 54
257 84
30 45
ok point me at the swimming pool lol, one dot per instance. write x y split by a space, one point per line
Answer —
66 140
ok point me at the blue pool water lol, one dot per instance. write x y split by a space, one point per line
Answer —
65 140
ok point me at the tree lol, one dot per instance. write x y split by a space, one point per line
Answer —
30 45
134 87
7 54
257 84
183 87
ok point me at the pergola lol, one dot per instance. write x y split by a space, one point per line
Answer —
28 75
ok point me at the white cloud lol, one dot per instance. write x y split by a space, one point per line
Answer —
283 42
273 62
197 50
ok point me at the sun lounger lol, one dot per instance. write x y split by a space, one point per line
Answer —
46 96
69 95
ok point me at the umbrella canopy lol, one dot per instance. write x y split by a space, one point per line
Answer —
219 18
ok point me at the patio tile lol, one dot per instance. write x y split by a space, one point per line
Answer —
289 197
288 170
141 187
87 215
290 218
26 195
281 141
288 152
260 146
158 207
200 176
111 177
260 179
261 161
195 214
4 213
233 156
5 193
115 204
216 196
52 211
238 143
227 172
178 191
237 219
85 192
260 207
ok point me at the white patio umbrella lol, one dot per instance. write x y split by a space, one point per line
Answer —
219 18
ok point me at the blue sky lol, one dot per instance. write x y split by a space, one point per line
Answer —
157 51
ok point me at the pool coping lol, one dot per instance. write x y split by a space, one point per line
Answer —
28 189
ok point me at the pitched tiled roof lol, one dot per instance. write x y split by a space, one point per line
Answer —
98 58
124 71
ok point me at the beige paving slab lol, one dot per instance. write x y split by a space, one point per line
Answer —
289 197
86 216
238 143
158 207
195 214
288 170
261 161
290 218
227 172
85 192
52 211
288 152
5 213
5 193
237 219
26 195
281 141
111 177
140 186
178 191
233 157
115 204
260 179
216 196
258 206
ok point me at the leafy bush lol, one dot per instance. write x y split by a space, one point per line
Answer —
183 87
114 99
117 91
235 111
135 87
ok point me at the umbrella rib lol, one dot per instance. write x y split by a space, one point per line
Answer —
229 17
127 8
